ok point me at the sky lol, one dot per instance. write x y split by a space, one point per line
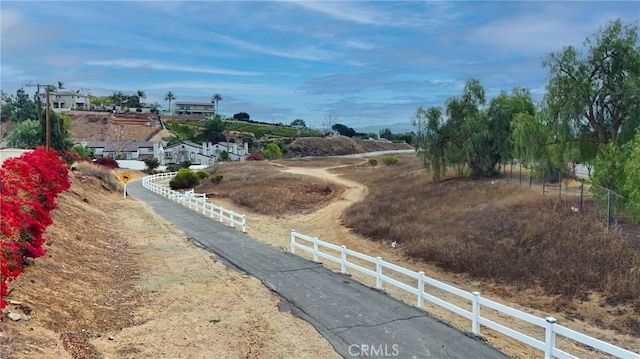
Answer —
365 64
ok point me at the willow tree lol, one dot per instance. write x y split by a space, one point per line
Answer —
601 87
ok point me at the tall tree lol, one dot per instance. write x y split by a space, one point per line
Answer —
60 85
215 99
600 88
169 97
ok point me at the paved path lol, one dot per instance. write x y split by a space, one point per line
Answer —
358 321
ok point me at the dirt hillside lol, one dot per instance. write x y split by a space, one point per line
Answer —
140 289
339 145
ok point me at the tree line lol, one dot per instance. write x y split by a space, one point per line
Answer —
590 115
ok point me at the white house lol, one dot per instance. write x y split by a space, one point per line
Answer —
204 154
126 150
64 100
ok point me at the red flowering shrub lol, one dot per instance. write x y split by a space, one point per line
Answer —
107 162
254 157
29 185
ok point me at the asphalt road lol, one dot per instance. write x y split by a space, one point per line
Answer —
360 322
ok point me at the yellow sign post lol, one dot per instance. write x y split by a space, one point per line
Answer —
124 177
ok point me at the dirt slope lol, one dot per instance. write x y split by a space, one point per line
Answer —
339 145
140 289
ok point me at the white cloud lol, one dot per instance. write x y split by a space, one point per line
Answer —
155 65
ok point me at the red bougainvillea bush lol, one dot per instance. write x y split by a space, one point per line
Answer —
29 185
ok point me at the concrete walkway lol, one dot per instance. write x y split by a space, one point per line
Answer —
358 321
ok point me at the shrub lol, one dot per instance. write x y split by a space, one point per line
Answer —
107 162
152 163
389 160
101 172
224 156
216 178
173 168
30 184
272 151
202 174
254 157
373 162
184 179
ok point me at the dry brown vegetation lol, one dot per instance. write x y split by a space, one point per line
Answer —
491 230
315 162
100 126
339 145
261 187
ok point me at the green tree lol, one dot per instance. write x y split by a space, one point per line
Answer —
343 130
272 151
215 99
24 107
83 151
25 134
213 130
169 97
224 156
632 178
431 140
241 116
299 123
600 88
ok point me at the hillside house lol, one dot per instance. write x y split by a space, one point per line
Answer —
194 108
203 154
125 150
64 100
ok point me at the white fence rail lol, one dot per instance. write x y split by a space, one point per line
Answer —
382 269
196 201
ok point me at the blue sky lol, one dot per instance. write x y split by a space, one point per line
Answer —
366 64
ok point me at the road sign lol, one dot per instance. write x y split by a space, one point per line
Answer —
125 177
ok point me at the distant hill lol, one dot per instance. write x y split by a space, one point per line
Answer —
400 127
339 145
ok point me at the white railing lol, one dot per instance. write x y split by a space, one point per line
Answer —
195 201
473 312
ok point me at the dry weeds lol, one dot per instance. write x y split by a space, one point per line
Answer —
262 188
491 230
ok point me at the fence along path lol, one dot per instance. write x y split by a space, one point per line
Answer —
388 273
196 201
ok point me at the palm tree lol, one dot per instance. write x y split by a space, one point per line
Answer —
215 99
60 85
141 96
169 97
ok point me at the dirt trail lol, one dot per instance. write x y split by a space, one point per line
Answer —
326 225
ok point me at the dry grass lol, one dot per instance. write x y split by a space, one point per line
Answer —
107 176
493 230
316 162
262 188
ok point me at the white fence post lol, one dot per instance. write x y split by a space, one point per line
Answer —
231 219
379 272
549 338
343 260
293 242
221 214
475 310
420 289
244 223
315 249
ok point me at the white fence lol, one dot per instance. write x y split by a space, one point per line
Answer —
551 328
195 201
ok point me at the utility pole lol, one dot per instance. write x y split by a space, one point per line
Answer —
48 121
48 113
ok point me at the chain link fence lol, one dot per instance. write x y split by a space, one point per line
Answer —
605 204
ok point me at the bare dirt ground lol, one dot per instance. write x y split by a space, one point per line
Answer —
120 282
100 126
326 225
